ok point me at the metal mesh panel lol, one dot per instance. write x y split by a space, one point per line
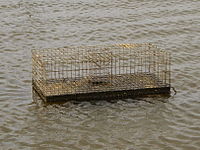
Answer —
74 70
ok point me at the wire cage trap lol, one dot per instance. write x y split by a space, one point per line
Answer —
96 72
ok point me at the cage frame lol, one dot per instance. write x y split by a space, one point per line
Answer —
99 72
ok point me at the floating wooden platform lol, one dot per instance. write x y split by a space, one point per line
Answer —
109 95
128 86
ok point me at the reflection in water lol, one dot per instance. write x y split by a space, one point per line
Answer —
155 123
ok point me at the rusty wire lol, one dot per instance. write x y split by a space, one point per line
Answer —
85 69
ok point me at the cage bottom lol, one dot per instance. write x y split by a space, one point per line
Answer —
103 87
108 95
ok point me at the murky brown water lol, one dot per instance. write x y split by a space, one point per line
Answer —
162 123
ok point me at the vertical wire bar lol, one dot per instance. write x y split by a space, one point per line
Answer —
86 65
141 67
111 67
67 64
154 64
63 70
141 61
155 69
78 65
59 69
169 69
130 59
115 55
142 64
163 67
126 60
134 71
123 66
61 65
82 62
82 74
166 68
71 65
137 61
119 61
126 64
51 69
74 65
150 55
145 60
157 64
54 68
58 65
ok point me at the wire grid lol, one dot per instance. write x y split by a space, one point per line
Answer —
85 69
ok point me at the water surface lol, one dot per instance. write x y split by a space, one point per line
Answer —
131 124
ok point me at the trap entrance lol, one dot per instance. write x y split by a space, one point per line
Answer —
96 72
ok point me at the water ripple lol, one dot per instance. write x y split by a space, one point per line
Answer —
155 123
